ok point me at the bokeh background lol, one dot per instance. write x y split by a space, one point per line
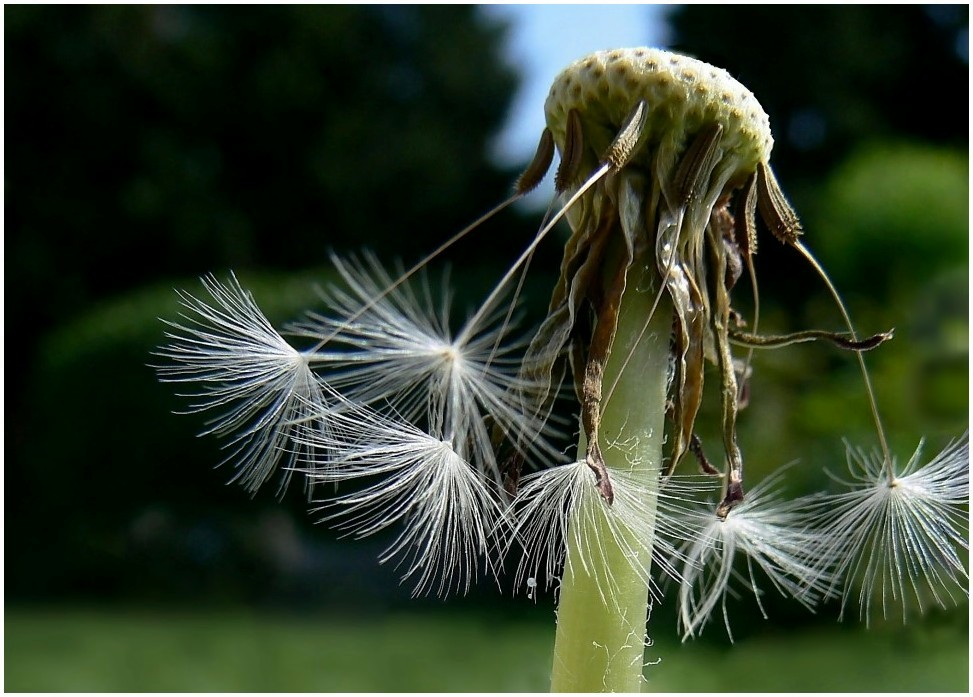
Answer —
147 146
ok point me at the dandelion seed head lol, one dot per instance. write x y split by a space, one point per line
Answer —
653 146
683 94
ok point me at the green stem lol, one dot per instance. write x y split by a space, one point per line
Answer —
599 645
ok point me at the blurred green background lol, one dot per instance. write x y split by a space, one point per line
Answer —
149 145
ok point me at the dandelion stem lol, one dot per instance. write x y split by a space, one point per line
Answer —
601 633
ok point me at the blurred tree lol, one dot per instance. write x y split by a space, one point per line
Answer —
152 142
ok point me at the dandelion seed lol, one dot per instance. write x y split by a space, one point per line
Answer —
246 371
893 538
562 508
447 508
395 344
564 501
402 355
770 533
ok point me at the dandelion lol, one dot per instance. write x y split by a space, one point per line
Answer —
420 411
246 372
398 422
394 348
448 508
664 170
897 533
770 534
652 145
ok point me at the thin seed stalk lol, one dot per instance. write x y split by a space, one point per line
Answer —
600 639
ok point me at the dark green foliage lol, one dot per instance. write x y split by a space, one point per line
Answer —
159 142
158 139
895 216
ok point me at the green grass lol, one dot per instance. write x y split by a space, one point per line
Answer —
141 651
80 651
